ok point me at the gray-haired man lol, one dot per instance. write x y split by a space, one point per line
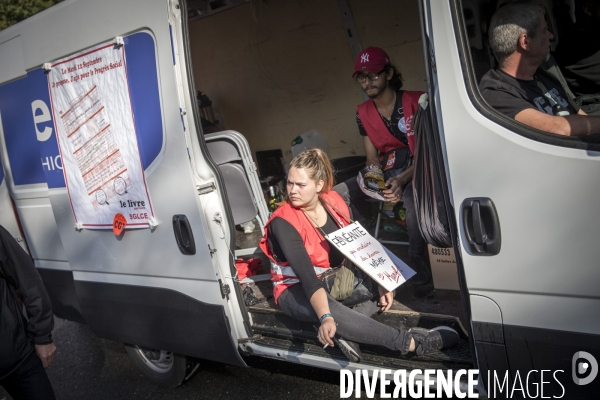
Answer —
520 39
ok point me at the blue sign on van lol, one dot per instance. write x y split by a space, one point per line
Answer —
28 125
19 132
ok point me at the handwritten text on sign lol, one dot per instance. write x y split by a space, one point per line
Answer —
369 255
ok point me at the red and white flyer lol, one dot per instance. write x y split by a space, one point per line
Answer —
97 139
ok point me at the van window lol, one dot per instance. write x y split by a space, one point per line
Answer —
573 64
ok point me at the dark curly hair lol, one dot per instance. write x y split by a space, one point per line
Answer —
396 81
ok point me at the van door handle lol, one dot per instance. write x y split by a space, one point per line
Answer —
481 226
184 235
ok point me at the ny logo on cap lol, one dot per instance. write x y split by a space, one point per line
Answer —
364 58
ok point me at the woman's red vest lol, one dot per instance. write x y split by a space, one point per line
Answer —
378 132
282 274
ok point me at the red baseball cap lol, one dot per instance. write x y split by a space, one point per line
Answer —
371 59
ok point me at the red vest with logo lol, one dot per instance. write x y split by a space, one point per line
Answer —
282 274
378 132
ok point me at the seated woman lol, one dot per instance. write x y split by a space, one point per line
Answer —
299 255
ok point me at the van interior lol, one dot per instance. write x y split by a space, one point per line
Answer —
268 71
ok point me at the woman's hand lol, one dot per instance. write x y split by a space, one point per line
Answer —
386 300
327 331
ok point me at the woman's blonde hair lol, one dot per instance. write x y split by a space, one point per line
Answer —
318 166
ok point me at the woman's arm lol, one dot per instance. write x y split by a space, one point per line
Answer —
321 306
286 241
292 247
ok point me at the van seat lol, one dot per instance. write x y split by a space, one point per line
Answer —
239 193
222 151
243 206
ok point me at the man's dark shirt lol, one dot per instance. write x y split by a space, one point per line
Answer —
396 125
510 95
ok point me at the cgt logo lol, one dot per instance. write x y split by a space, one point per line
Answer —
584 363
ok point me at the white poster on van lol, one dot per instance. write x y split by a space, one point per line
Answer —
370 256
96 134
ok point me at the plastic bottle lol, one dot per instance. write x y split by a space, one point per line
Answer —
272 199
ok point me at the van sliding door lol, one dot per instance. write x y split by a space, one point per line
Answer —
109 75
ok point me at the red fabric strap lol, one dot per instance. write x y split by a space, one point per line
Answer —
316 247
377 131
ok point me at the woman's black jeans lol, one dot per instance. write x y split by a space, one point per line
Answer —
351 325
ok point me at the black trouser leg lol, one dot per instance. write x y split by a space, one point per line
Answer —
351 325
29 381
416 244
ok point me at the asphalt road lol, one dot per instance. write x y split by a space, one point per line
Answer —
87 367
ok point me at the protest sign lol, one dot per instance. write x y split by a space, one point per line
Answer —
370 256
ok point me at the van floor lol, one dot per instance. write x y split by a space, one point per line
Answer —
414 306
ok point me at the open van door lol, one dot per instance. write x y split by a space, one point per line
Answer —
157 286
526 223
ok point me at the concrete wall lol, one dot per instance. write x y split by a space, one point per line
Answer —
290 70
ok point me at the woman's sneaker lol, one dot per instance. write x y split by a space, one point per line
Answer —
439 338
350 349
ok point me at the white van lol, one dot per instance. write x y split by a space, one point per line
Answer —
168 288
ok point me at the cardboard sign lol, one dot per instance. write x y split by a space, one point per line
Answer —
119 223
443 268
370 256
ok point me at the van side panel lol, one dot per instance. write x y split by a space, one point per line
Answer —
137 288
7 215
138 315
60 286
26 119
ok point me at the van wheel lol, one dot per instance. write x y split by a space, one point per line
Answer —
161 367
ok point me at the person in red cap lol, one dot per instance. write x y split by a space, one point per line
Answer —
384 121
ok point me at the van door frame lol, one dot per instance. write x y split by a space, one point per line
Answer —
199 140
440 162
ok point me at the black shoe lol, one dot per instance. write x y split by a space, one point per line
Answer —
439 338
350 349
423 275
